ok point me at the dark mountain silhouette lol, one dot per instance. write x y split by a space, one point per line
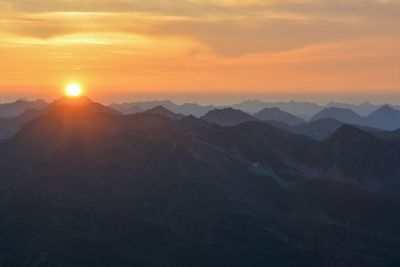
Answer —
164 112
385 118
357 154
18 107
10 126
390 135
227 117
82 101
82 187
276 114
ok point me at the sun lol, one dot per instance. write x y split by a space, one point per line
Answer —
73 90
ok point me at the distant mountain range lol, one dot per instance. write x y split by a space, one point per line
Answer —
341 114
228 117
385 117
276 114
363 109
160 110
83 185
303 110
323 128
185 109
20 106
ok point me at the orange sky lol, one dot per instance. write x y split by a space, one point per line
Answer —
199 46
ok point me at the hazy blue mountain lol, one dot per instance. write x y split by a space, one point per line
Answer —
126 108
306 110
160 110
9 126
278 115
194 109
363 109
185 109
385 118
300 109
341 114
323 128
228 117
81 187
251 106
318 129
18 107
145 105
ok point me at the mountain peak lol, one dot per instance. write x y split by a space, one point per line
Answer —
384 112
276 114
228 116
348 133
386 108
386 118
161 110
79 101
342 114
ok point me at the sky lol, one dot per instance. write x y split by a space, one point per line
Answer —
209 50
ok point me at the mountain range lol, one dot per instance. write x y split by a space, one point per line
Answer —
363 109
385 117
160 110
83 185
329 119
185 109
275 114
300 109
228 117
20 106
303 110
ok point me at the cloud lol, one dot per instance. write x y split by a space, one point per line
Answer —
204 8
230 36
230 27
238 37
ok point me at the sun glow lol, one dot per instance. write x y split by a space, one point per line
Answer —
73 90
